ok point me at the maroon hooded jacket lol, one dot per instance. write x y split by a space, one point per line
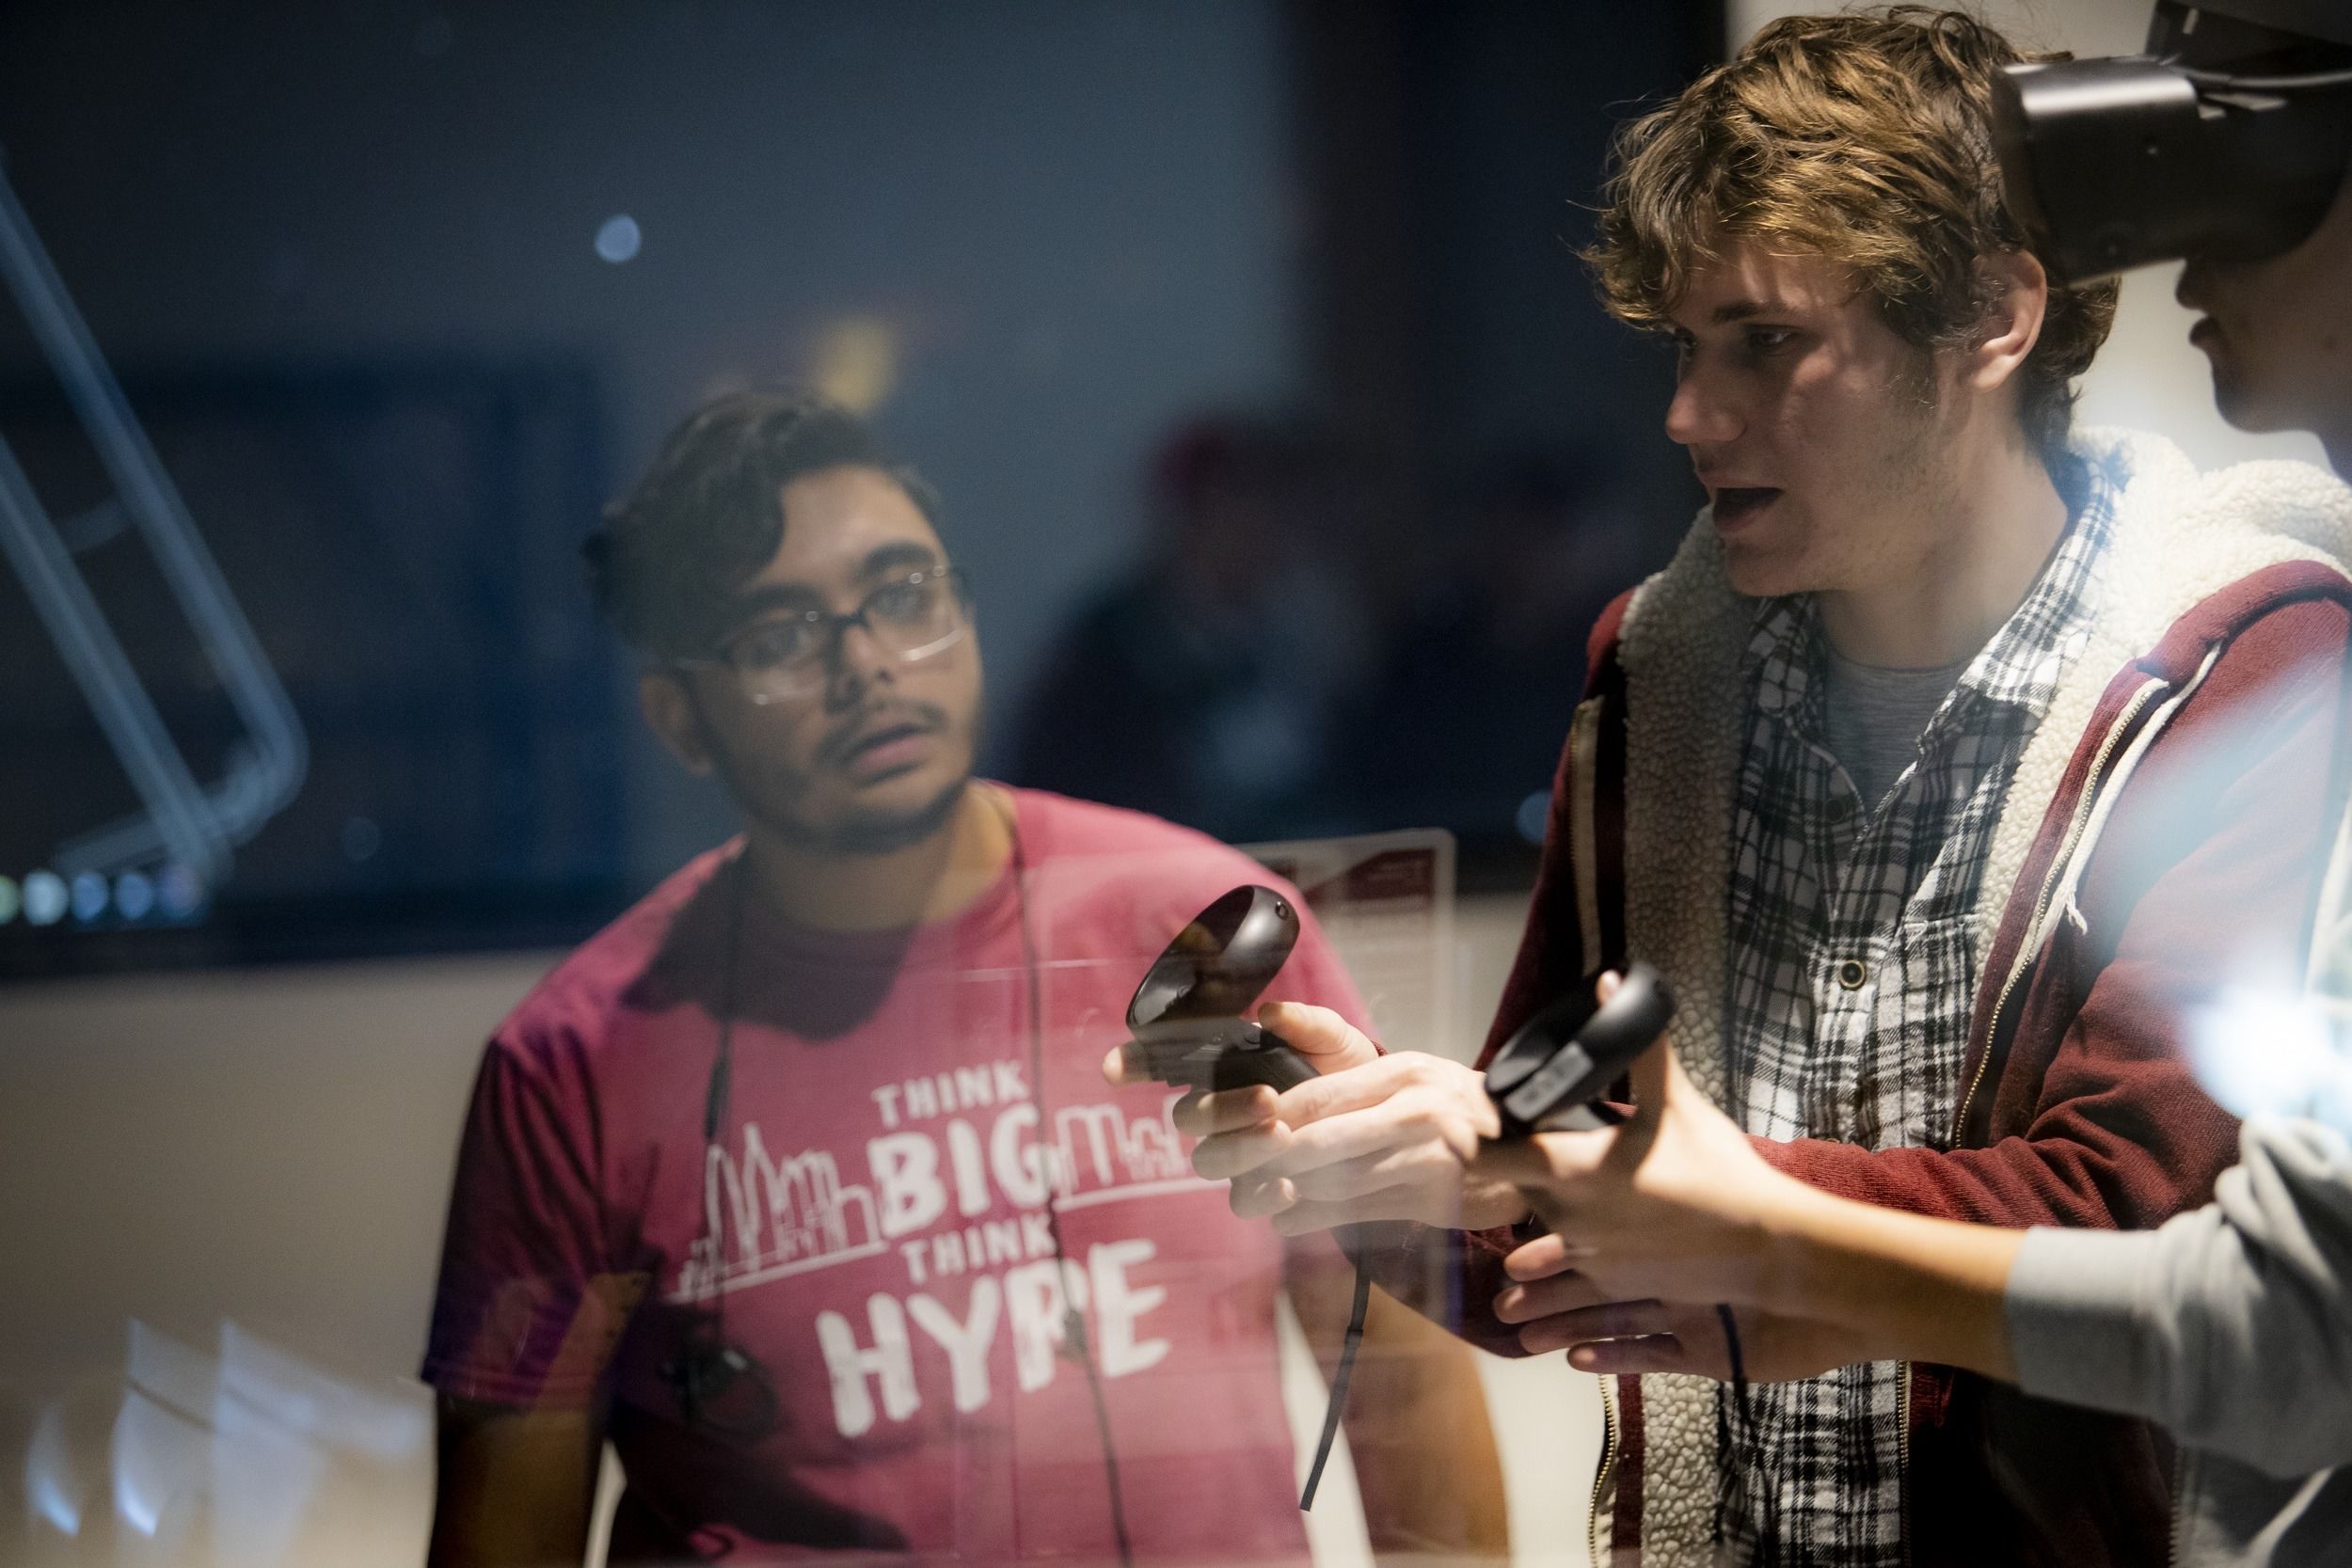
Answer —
2164 842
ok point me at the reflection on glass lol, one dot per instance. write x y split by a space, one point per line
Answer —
248 1454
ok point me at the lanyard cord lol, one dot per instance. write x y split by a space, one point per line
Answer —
1074 1321
711 1290
722 1085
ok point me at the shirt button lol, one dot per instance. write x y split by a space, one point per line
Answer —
1851 973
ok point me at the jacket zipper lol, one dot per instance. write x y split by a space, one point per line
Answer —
2050 880
1903 1451
2180 1515
1600 1476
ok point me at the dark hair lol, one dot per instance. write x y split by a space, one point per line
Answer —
1865 137
708 514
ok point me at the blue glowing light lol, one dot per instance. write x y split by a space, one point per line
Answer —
45 899
618 240
134 895
178 893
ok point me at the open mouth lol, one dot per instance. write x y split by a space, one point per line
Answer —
886 750
1738 505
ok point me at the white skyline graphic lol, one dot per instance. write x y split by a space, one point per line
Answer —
769 1217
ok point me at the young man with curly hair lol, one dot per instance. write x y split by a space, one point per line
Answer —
2229 1325
1838 776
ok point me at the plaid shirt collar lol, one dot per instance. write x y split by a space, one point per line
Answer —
2019 667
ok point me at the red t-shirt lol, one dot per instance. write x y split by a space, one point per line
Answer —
870 1223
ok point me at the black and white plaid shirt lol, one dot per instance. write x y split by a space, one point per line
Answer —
1852 970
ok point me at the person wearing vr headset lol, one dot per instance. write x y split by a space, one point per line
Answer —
798 1182
2231 1325
1839 777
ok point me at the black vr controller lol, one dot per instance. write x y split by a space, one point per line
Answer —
1186 1015
1550 1075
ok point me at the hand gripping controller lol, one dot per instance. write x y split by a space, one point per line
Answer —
1548 1077
1189 1032
1186 1015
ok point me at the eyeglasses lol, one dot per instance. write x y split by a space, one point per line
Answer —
787 656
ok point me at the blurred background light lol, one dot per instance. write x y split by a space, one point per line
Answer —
856 362
46 898
134 895
2265 1050
617 239
179 894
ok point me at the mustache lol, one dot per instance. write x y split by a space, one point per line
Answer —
923 716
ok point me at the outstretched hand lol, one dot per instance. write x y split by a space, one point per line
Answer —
1567 1312
1372 1138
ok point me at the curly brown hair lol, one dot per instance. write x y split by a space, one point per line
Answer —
1864 138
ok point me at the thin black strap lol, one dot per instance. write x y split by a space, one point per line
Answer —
1749 1459
723 1062
1331 1412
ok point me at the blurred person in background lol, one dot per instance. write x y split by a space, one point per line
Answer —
1838 776
1480 676
1211 685
797 1181
2231 1325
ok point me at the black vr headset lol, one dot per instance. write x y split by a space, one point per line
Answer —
2229 138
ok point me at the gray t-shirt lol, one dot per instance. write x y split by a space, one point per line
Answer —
2232 1326
1872 717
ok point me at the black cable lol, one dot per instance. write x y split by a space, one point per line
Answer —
1750 1453
1074 1321
2222 81
1331 1412
1739 1364
1074 1334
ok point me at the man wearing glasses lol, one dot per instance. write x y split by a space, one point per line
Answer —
797 1182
